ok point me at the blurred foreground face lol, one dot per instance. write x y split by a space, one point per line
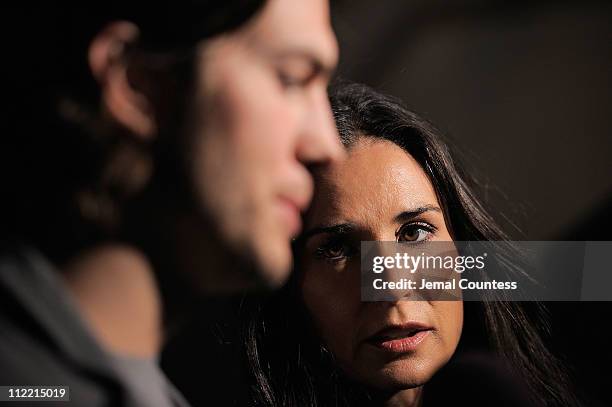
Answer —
379 193
260 117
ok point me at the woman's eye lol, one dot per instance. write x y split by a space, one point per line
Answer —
333 251
414 232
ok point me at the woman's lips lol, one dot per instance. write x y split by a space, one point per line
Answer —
400 338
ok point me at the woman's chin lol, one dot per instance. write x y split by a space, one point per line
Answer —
395 378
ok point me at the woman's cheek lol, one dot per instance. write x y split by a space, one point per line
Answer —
452 319
331 309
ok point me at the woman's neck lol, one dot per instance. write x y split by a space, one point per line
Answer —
404 398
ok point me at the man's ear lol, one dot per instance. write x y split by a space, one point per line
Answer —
108 61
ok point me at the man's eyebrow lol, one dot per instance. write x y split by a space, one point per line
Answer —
320 67
337 229
413 213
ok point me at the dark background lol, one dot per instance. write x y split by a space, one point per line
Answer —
523 91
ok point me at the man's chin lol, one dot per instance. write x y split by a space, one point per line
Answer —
220 263
275 266
258 268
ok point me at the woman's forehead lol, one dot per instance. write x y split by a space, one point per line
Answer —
377 177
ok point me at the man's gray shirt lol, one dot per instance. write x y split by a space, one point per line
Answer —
44 341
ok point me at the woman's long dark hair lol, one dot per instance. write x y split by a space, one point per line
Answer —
288 363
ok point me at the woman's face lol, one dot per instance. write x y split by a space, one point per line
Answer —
379 193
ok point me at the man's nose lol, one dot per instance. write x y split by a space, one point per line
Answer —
319 141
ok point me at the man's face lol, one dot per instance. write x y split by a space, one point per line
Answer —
259 119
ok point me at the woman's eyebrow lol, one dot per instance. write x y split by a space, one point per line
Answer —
413 213
337 229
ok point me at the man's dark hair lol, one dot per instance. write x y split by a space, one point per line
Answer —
54 145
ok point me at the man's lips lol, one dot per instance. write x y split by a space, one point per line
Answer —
400 338
293 201
299 201
291 215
